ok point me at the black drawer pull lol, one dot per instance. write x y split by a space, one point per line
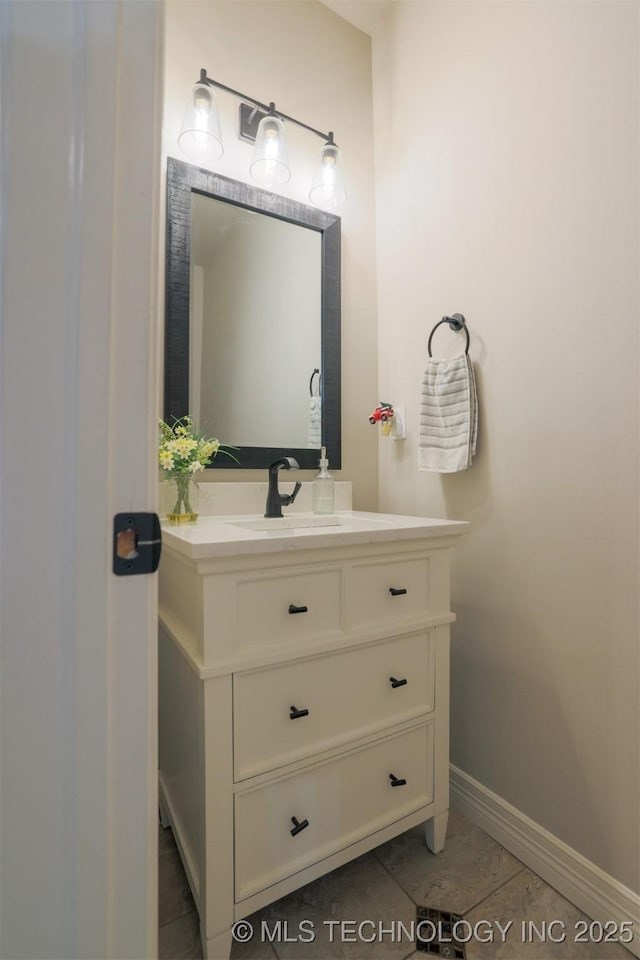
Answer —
294 609
397 591
296 714
395 782
397 683
297 826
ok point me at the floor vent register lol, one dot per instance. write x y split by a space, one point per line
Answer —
435 933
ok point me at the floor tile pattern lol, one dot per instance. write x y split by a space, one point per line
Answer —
365 909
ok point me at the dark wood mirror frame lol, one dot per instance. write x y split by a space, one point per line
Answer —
182 180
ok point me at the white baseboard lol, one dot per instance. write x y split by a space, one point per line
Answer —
584 884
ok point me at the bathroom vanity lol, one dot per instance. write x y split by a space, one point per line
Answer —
303 698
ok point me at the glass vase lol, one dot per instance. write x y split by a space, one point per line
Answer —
182 499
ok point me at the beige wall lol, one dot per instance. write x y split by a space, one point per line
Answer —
507 189
316 67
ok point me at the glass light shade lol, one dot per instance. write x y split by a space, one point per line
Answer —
200 137
327 190
270 163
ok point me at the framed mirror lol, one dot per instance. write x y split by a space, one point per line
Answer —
252 328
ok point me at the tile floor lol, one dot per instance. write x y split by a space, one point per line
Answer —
474 877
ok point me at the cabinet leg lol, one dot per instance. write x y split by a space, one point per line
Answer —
435 831
216 948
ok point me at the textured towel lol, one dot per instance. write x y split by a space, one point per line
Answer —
315 422
448 416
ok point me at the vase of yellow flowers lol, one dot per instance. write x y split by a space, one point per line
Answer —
185 498
183 454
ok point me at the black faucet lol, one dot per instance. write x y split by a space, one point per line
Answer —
276 500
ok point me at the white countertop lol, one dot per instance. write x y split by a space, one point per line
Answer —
228 536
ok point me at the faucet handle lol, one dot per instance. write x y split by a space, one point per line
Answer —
288 498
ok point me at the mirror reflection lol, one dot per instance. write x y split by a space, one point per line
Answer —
254 326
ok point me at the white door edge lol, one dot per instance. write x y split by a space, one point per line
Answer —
80 114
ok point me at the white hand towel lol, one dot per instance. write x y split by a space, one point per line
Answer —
315 422
448 415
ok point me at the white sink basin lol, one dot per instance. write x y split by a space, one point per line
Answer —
287 523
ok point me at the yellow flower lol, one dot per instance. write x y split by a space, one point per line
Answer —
209 448
182 446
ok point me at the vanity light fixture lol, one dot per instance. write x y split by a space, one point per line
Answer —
200 138
270 163
327 190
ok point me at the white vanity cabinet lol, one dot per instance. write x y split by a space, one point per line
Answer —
303 699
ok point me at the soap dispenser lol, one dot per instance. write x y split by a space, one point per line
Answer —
323 487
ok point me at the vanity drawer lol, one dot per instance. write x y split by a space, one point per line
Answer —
341 801
390 591
342 696
292 606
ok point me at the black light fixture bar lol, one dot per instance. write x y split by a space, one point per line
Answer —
267 107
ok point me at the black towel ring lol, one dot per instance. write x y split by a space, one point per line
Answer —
456 322
311 382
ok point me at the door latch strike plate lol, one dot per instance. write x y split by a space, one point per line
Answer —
137 543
